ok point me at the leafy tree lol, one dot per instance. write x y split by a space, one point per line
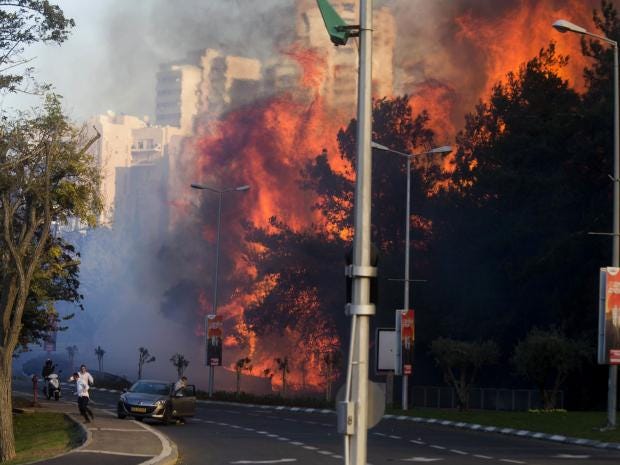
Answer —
461 362
144 357
72 351
180 363
242 364
56 280
23 23
99 352
546 358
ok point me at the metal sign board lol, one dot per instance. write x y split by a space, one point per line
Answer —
385 345
614 357
375 406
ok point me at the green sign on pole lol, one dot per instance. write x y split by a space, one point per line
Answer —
335 25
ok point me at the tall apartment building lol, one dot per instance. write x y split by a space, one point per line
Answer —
340 84
112 150
176 95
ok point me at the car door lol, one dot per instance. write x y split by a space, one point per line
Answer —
184 402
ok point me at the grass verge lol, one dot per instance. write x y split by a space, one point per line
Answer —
43 434
574 424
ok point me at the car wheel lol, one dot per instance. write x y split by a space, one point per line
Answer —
120 414
56 395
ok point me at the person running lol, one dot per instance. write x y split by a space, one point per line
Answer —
86 376
83 398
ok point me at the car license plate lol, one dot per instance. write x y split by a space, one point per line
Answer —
138 409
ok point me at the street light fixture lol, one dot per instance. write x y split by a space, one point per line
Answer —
221 193
409 157
563 26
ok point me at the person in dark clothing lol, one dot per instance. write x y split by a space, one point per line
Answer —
48 368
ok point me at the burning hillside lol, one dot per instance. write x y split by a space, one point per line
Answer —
267 143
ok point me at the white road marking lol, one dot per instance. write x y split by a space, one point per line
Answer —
421 459
107 452
420 443
266 461
395 437
435 446
571 456
511 461
324 452
310 447
456 451
486 457
297 443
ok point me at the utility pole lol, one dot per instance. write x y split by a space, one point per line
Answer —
361 309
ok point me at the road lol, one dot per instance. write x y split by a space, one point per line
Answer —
229 434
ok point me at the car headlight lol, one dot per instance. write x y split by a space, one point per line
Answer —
160 403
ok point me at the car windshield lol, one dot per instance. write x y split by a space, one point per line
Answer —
143 387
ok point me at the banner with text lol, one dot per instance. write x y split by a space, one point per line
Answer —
215 333
609 313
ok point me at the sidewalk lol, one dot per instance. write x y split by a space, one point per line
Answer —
110 441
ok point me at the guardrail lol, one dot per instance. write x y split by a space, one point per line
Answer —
481 398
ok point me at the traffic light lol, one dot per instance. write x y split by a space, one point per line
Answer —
374 262
335 25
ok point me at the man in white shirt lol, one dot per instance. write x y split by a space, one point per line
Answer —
86 376
83 398
180 385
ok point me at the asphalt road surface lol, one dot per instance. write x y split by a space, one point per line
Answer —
228 434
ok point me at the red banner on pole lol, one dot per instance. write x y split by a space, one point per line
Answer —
215 333
612 310
407 335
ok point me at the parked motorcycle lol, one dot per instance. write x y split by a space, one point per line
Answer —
52 386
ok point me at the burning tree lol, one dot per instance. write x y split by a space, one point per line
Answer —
143 357
241 365
180 363
99 352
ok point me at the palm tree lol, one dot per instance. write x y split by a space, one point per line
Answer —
145 357
99 352
180 363
283 367
71 352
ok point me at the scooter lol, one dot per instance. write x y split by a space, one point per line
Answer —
52 384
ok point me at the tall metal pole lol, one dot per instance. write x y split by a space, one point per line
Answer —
215 280
612 391
361 308
405 394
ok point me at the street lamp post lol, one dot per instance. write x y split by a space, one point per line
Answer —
563 26
408 156
220 193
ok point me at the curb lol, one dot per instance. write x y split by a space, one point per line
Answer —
265 407
454 424
509 431
169 452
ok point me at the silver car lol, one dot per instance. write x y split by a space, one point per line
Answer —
155 399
